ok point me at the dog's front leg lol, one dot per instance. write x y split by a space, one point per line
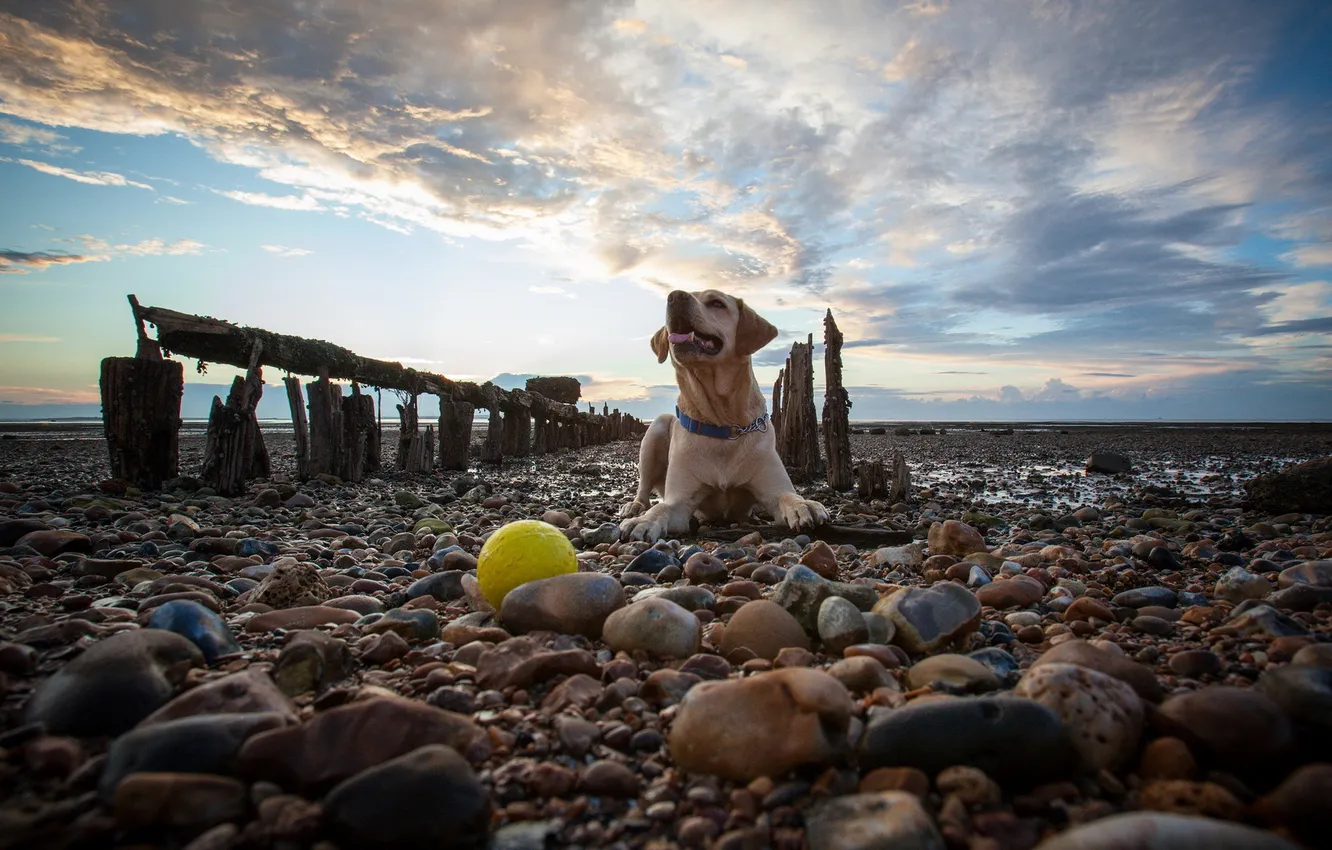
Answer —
773 490
670 516
653 457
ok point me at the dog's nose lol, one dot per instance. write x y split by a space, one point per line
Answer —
676 297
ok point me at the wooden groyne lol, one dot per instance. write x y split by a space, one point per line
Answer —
340 435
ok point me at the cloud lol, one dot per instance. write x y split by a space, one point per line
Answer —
1311 255
28 136
23 262
27 338
91 178
284 251
280 202
552 290
19 395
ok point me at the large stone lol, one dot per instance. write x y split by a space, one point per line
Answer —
1010 739
656 626
56 541
444 587
764 725
246 692
1102 716
343 741
410 624
1302 488
304 617
764 628
1083 654
952 672
203 627
876 821
928 618
951 537
1304 693
1160 831
1238 728
291 585
841 625
205 744
520 662
114 684
1313 573
187 801
1299 803
310 661
1016 592
1238 584
1109 462
429 797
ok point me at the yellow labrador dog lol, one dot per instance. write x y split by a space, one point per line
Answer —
716 458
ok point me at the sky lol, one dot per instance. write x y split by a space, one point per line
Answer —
1015 210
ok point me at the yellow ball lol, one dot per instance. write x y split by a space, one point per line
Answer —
520 552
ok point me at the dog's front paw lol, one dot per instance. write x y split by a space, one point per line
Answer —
632 509
646 527
800 513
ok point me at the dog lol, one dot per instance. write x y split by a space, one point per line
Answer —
716 458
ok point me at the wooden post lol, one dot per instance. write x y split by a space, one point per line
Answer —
141 418
777 412
901 487
299 426
455 433
872 481
540 435
517 438
836 409
360 454
416 450
492 451
800 426
326 434
234 447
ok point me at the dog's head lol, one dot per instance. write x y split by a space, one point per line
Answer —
709 326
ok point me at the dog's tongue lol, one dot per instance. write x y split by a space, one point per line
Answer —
681 337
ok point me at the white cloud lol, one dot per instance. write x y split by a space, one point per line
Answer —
281 202
27 338
1311 255
552 290
28 136
284 251
91 178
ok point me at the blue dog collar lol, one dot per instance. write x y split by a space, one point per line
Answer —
720 432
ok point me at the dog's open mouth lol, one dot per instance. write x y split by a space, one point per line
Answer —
700 342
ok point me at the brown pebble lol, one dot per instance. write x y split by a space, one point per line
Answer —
1167 758
908 779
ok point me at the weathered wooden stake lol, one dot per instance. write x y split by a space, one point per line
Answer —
141 418
360 442
299 425
416 450
455 433
778 413
901 487
800 425
517 431
234 446
492 451
872 480
326 434
836 409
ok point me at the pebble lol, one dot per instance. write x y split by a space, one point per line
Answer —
428 797
705 568
1299 803
411 625
887 819
1159 831
658 627
333 745
1084 654
763 628
1238 584
114 684
193 801
1015 592
204 744
928 618
1010 739
764 725
1304 693
954 673
1141 597
1237 727
1102 716
244 692
1196 663
955 538
305 617
571 604
840 625
204 628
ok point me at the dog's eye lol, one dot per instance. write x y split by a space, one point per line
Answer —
717 304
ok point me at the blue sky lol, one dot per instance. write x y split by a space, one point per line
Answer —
1021 210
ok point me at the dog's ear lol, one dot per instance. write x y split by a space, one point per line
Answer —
661 344
753 331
